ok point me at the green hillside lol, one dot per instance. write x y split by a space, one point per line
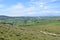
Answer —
28 28
29 21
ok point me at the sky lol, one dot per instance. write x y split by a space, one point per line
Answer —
30 7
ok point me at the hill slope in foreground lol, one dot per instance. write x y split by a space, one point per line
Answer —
9 32
29 28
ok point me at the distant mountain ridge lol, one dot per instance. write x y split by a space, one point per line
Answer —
27 16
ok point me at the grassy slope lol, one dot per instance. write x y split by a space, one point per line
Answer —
22 31
9 32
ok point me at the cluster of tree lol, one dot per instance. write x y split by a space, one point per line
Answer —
28 20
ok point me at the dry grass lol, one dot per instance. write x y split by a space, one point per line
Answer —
8 32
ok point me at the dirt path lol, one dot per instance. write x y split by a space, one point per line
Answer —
51 34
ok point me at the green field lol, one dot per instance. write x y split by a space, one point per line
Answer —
28 28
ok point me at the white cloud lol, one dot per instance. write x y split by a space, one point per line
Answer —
53 0
19 6
41 5
51 12
31 13
1 6
45 7
18 9
16 6
38 8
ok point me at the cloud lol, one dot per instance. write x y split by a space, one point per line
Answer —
16 6
39 4
53 0
35 7
18 10
1 6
